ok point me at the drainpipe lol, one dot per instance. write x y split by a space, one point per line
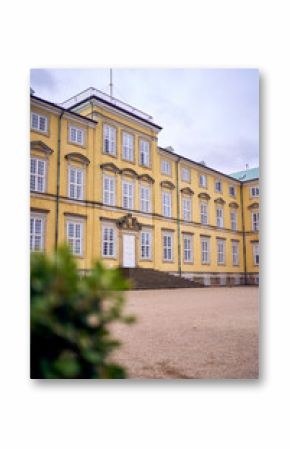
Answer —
244 236
178 216
58 179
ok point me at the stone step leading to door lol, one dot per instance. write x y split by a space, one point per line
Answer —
147 278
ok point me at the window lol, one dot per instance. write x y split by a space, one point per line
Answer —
220 251
167 246
128 147
235 253
185 174
186 206
202 181
146 245
233 221
36 233
39 122
76 135
204 250
166 204
145 203
232 190
37 174
218 186
75 237
144 153
76 183
108 243
219 217
203 213
165 167
187 248
109 186
255 221
128 195
254 191
256 253
109 140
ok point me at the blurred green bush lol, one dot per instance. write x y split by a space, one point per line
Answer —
70 318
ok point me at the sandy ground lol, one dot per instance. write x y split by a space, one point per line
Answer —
209 333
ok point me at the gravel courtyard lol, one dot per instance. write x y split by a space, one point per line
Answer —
209 333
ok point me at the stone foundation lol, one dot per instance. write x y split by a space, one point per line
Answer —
223 280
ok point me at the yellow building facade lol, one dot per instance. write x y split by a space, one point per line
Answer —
100 182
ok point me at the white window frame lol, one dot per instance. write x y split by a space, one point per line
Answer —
127 147
109 194
144 153
221 253
220 217
166 167
205 250
108 241
38 176
167 204
145 200
39 117
127 196
255 220
235 253
202 180
187 248
254 191
73 240
37 236
75 188
184 177
186 208
167 249
204 212
256 253
234 222
146 244
234 193
109 140
76 135
218 181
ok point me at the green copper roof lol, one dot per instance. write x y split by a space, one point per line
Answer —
246 175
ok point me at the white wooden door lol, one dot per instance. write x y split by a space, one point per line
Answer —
129 251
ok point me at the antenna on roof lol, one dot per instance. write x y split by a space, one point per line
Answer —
111 83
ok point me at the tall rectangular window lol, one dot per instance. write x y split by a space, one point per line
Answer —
232 190
219 217
36 233
205 256
144 148
146 245
128 195
220 251
109 189
39 122
185 174
108 241
166 204
235 253
186 209
167 246
187 248
128 147
218 186
37 174
145 200
165 167
256 253
254 191
255 221
203 212
202 180
110 140
75 237
234 221
76 135
76 183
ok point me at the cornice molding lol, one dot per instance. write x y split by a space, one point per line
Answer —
187 191
167 184
220 200
204 196
147 178
129 172
78 157
109 166
234 205
253 206
40 146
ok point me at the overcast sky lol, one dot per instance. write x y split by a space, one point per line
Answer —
209 115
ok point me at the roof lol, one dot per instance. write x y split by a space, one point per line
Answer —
246 175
